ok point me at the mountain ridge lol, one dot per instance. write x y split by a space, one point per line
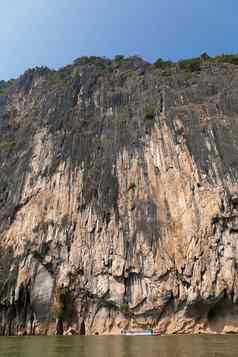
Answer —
118 191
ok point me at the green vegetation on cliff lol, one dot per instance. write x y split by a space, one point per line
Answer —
194 64
5 85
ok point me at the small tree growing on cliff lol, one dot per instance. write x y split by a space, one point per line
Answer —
149 112
161 64
125 310
60 307
204 56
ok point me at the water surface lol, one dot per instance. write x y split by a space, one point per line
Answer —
121 346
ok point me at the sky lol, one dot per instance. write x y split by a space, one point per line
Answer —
55 32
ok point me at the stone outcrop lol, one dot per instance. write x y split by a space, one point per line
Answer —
119 199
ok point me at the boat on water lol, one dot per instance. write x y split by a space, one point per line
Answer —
140 333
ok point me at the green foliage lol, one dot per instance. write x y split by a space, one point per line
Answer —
161 64
130 73
101 63
7 143
119 58
225 58
191 65
179 275
125 309
90 59
194 64
149 112
204 56
42 70
62 76
5 85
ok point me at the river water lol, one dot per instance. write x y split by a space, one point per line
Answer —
121 346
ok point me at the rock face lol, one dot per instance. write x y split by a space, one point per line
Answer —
119 199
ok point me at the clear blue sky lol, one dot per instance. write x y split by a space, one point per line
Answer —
54 32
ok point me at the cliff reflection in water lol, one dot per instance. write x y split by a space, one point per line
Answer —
107 346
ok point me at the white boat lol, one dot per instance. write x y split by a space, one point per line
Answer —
140 333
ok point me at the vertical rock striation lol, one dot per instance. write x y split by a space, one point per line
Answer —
119 199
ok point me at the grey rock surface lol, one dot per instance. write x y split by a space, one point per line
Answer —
119 199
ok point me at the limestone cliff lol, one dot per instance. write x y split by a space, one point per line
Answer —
119 198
